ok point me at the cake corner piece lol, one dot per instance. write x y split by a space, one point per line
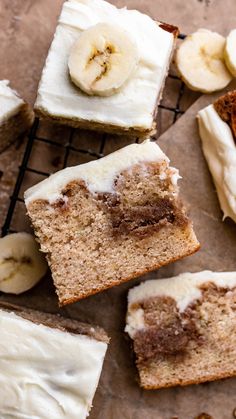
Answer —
110 220
183 328
127 107
64 363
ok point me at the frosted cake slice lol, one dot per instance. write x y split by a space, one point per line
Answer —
50 365
110 220
104 73
184 328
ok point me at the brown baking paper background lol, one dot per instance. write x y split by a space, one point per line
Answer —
119 395
27 27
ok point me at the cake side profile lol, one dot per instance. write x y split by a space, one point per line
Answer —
217 128
50 365
22 265
16 117
67 92
184 328
110 220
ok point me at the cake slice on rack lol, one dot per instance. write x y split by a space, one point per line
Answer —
110 220
102 72
50 365
16 116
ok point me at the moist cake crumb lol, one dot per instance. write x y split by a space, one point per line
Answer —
119 218
181 344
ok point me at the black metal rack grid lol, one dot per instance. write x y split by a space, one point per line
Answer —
65 150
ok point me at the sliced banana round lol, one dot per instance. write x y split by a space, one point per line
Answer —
102 59
21 263
200 61
230 52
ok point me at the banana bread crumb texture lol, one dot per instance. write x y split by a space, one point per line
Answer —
184 328
94 240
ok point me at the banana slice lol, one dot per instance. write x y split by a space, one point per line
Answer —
230 52
102 59
200 61
21 263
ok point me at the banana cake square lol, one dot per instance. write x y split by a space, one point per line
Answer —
184 328
50 365
110 220
106 68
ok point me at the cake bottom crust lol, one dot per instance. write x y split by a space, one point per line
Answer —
182 236
139 132
183 383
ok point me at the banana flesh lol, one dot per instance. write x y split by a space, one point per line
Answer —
103 59
200 61
230 52
21 263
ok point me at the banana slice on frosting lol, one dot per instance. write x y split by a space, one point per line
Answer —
102 59
21 263
230 52
200 61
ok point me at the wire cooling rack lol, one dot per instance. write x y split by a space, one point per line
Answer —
50 148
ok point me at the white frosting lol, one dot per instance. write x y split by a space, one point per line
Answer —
46 373
220 152
9 101
134 105
184 289
99 175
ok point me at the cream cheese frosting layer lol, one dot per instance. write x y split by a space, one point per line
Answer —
46 373
134 104
184 289
9 101
99 175
220 152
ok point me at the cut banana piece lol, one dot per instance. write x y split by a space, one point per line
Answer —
200 61
21 263
102 59
230 52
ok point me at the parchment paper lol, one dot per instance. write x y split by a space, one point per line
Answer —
118 395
